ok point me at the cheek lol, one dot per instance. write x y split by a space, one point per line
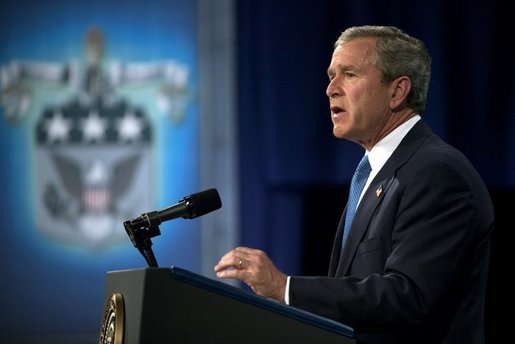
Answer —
371 104
360 108
367 113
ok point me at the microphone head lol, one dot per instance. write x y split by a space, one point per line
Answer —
202 203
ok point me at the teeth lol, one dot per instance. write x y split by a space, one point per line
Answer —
337 112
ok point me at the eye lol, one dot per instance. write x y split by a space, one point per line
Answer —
349 75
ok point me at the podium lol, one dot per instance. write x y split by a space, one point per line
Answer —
173 305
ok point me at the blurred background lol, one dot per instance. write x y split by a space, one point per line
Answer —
109 109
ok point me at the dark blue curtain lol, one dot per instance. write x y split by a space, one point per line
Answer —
294 173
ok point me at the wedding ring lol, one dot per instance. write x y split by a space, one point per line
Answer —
240 265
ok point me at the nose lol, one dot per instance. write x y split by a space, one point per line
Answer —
332 89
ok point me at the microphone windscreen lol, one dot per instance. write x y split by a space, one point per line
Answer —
203 202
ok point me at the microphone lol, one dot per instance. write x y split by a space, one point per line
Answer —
189 207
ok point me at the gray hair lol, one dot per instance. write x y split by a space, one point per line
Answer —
397 54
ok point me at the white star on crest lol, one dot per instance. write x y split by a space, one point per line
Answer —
58 127
94 127
129 127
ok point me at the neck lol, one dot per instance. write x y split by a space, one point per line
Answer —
394 121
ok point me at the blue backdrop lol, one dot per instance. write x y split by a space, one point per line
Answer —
62 231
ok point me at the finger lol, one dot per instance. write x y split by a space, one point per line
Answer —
222 265
235 258
229 255
232 273
230 261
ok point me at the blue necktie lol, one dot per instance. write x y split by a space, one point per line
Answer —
359 179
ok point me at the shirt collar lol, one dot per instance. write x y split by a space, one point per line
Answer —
382 150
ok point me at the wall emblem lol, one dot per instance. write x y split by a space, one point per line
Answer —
94 142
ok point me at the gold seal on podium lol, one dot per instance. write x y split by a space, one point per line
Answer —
111 331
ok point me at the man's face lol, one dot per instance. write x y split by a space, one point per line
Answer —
359 101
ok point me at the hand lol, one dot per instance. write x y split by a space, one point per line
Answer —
255 269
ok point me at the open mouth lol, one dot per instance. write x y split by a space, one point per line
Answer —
337 111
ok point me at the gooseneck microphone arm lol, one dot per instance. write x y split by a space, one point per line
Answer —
146 226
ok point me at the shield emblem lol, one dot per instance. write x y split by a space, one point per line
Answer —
93 170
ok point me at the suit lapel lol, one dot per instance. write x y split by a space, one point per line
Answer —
361 221
340 263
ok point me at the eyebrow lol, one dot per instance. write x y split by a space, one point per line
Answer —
341 68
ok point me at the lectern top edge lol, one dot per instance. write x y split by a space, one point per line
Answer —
232 292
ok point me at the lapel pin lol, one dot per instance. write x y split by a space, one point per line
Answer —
379 190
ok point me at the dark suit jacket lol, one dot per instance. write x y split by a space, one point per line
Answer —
414 267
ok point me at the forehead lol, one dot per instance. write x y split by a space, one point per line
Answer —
355 52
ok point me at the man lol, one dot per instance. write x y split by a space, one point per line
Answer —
413 266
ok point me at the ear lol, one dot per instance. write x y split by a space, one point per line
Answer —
400 89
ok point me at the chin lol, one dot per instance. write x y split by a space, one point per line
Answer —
338 133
